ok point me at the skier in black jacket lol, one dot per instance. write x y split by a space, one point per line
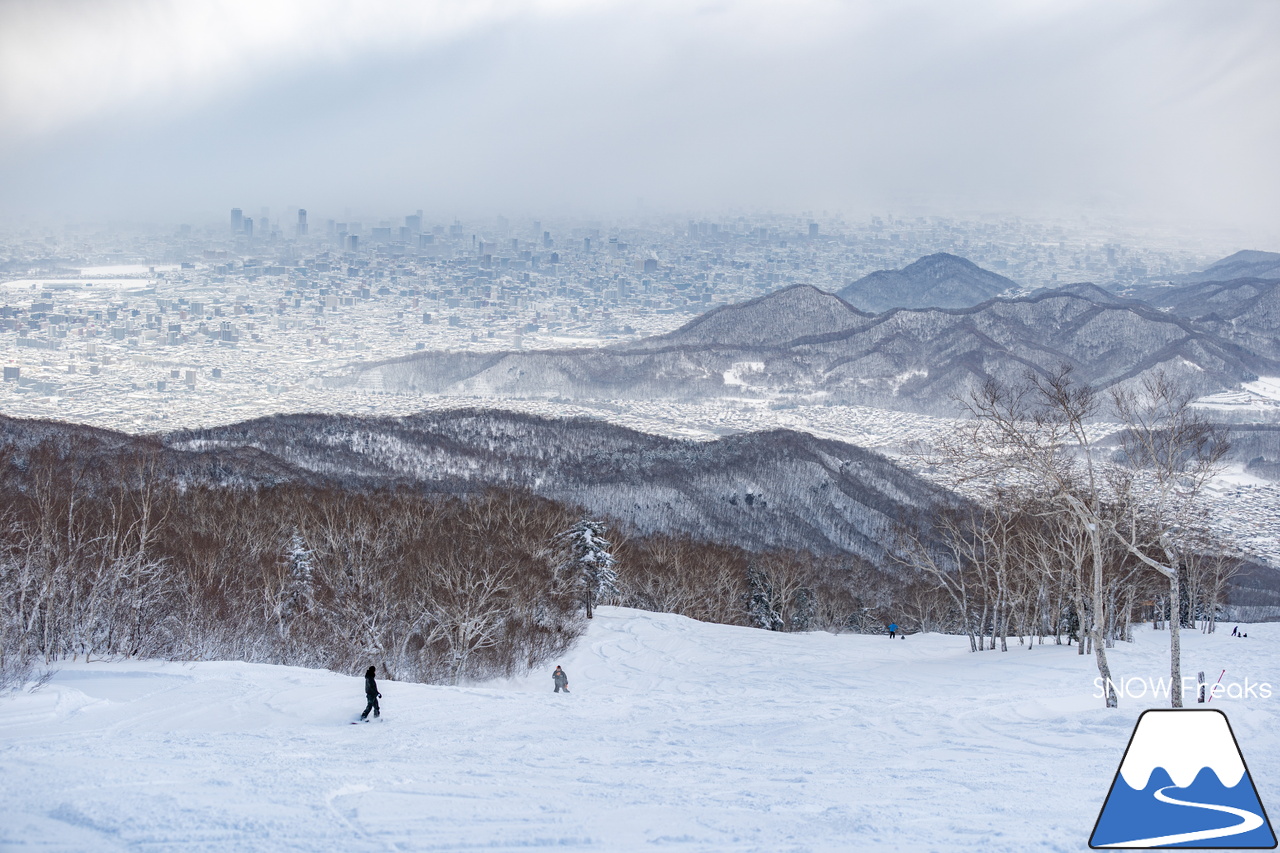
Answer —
371 692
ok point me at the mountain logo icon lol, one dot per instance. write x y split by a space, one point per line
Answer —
1183 783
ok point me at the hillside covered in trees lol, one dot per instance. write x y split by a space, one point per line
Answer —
115 545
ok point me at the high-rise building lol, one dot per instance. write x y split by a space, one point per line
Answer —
813 229
413 223
302 222
247 227
237 220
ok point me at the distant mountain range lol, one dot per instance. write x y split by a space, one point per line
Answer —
804 344
935 281
1245 264
771 490
774 320
1245 311
1090 291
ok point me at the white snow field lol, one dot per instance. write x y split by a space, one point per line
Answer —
678 735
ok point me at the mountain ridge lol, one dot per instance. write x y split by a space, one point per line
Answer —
1244 310
1246 263
768 318
907 358
764 490
940 280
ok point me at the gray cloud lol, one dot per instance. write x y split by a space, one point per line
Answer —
1148 110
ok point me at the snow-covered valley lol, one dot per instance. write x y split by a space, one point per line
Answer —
678 735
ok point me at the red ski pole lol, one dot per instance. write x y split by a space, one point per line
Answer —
1215 685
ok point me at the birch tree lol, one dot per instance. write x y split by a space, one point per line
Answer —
1169 451
1038 433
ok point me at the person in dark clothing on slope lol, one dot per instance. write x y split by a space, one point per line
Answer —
893 630
372 694
561 680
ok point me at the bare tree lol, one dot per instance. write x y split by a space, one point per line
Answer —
466 607
949 566
1168 452
1038 432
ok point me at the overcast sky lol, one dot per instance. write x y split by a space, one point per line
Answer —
171 110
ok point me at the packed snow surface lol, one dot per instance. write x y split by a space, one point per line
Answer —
678 735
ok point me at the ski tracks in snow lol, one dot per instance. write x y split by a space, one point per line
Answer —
678 735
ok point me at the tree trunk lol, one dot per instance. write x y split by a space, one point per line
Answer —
1081 611
1099 647
1175 636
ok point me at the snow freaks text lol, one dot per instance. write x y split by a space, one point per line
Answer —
1139 687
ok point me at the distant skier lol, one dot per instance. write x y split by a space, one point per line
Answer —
1235 632
893 630
561 680
372 694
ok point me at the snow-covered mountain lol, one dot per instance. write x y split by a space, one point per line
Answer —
940 280
1244 310
774 320
776 489
803 344
1248 263
1087 290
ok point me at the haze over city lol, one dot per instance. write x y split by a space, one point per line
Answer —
1153 112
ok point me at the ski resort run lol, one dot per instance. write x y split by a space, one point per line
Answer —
679 735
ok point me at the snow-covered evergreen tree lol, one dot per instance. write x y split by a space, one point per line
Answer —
804 609
299 591
760 602
1071 623
590 563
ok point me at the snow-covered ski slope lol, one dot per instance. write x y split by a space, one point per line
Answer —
678 736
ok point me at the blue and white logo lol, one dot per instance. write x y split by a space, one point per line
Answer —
1183 783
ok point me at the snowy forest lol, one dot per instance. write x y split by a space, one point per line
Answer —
108 553
252 543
